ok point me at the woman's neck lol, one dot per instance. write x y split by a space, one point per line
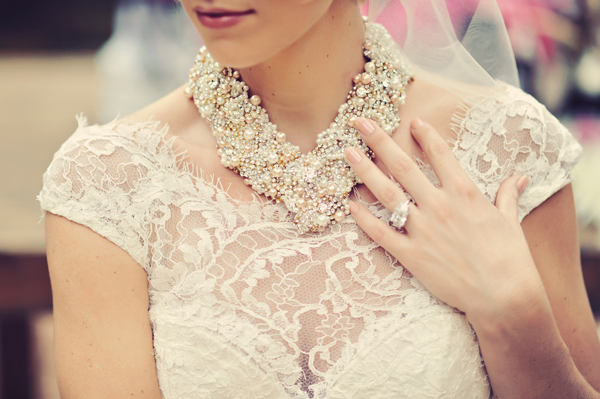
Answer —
303 86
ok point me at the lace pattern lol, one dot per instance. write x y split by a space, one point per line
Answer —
242 306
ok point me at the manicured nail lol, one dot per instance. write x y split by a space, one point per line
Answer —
522 183
365 126
354 207
416 123
353 156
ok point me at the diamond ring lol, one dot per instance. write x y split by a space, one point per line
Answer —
399 216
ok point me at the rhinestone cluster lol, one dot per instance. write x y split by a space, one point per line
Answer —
314 186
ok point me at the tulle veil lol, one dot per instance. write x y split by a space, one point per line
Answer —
461 45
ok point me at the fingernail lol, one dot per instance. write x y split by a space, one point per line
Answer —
353 156
416 123
354 207
364 126
522 183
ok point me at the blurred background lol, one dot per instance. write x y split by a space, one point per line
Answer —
104 59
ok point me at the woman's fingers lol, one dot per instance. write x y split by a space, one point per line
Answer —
400 165
439 154
380 185
507 198
391 240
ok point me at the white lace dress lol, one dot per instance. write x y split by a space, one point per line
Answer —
242 306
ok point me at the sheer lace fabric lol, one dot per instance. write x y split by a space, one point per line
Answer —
242 306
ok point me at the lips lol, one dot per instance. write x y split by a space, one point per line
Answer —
219 18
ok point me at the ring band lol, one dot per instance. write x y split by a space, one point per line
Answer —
399 216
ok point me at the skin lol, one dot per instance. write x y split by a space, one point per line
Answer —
527 303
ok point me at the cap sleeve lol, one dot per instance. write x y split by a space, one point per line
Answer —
94 180
512 133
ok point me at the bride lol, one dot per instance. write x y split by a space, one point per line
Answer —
293 223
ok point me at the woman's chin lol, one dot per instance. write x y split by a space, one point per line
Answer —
239 53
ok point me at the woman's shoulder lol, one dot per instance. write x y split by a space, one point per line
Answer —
507 132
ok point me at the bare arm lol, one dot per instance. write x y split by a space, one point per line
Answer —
103 339
552 348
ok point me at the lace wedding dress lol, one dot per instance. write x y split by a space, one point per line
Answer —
242 306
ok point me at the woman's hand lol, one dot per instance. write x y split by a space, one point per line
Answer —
474 256
466 251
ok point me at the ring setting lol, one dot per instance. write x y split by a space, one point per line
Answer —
399 216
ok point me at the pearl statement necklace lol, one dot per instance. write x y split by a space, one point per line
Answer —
314 186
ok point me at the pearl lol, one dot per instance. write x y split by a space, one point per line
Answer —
235 161
220 100
367 46
331 189
339 216
272 158
188 92
272 192
277 172
315 164
365 78
356 78
321 193
249 118
248 148
369 67
225 88
249 134
280 137
255 100
301 202
247 182
322 220
287 181
266 178
361 92
360 103
306 161
343 171
299 190
236 74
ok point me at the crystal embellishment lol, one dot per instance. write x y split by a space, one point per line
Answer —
315 186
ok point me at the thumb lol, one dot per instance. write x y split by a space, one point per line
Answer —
507 198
